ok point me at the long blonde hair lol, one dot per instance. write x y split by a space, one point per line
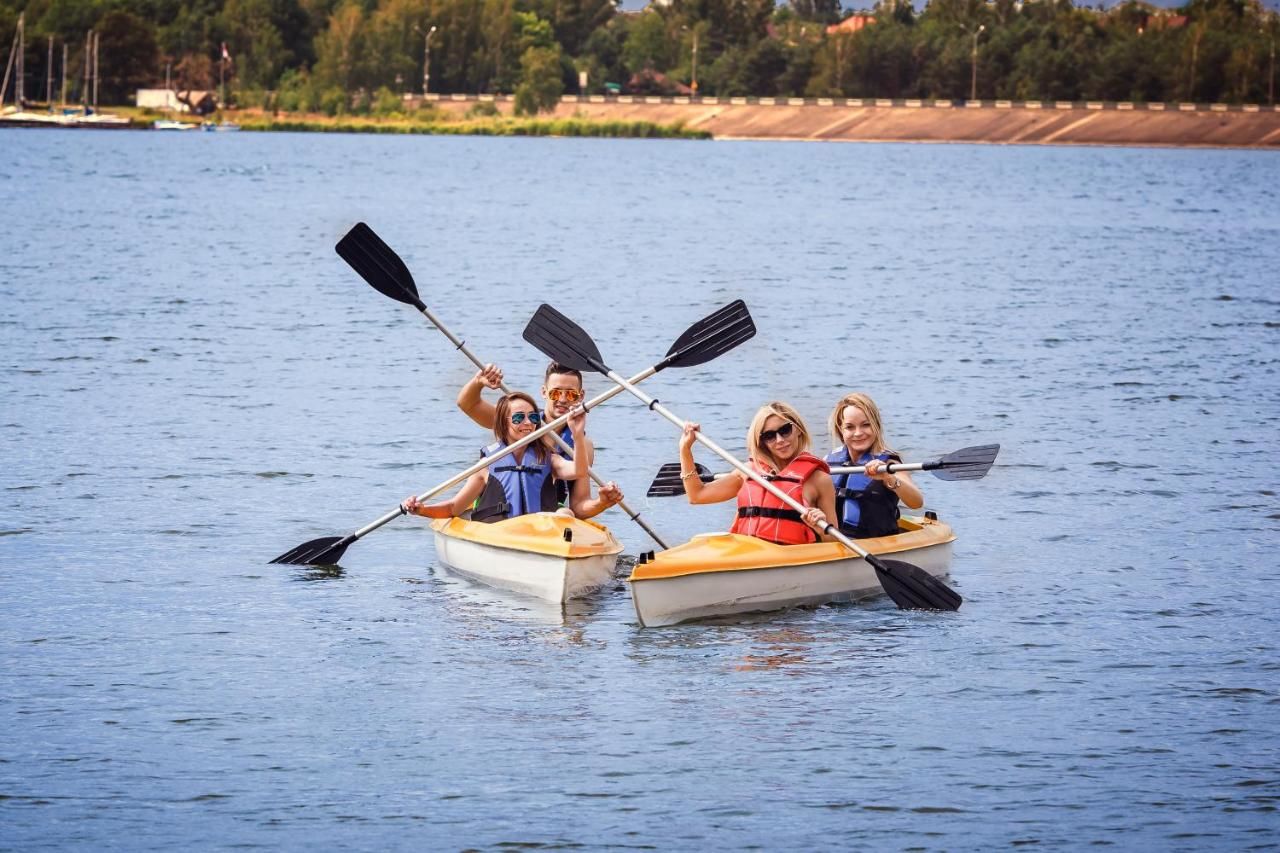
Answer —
502 423
758 451
868 407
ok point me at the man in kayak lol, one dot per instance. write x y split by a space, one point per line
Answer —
561 391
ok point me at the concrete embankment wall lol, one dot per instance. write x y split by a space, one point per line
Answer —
1000 122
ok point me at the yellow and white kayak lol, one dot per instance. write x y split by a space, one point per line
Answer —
549 556
722 574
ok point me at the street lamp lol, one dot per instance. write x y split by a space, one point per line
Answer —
693 84
1271 75
426 59
973 74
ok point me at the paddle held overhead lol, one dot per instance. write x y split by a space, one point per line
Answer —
380 266
562 340
707 339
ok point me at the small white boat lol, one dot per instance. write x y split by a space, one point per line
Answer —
173 124
725 574
549 556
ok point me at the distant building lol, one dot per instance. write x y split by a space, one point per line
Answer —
851 24
183 101
159 99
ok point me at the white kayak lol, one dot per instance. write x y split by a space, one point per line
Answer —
545 555
725 574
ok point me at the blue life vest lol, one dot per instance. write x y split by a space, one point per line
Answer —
515 489
866 507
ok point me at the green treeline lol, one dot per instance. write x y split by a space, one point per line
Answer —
340 56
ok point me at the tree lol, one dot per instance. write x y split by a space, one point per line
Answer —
541 84
128 55
255 43
649 44
338 49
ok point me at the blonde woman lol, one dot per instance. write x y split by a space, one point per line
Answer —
522 483
867 505
777 444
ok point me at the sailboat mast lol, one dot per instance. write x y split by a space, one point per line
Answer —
48 78
88 65
8 66
64 75
97 43
20 98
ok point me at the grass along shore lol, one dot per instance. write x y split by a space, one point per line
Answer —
430 120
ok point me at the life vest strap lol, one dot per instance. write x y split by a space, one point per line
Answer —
768 512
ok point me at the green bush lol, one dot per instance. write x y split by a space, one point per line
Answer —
333 101
386 102
295 92
428 112
483 109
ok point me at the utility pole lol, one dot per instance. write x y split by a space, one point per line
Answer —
973 75
1195 53
1271 77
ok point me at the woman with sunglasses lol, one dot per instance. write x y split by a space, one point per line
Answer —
561 391
521 483
777 444
867 505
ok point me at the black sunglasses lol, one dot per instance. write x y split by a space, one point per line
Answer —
535 418
783 431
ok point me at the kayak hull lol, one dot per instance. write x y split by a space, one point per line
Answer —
725 574
530 555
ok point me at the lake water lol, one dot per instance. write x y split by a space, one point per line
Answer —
194 382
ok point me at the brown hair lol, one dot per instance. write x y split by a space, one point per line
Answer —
757 450
557 367
868 407
502 423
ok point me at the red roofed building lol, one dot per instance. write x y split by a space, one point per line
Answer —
851 24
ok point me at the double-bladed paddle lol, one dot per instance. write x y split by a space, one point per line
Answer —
562 340
710 337
968 463
380 266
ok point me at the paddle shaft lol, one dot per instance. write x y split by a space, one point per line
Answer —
461 346
889 468
546 428
654 405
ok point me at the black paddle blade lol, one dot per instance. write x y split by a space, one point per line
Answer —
318 552
378 264
712 336
969 463
912 588
563 341
669 483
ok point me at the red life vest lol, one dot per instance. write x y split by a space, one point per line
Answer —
762 515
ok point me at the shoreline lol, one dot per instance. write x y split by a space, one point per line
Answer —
998 123
799 120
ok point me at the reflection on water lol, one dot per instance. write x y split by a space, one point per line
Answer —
476 602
